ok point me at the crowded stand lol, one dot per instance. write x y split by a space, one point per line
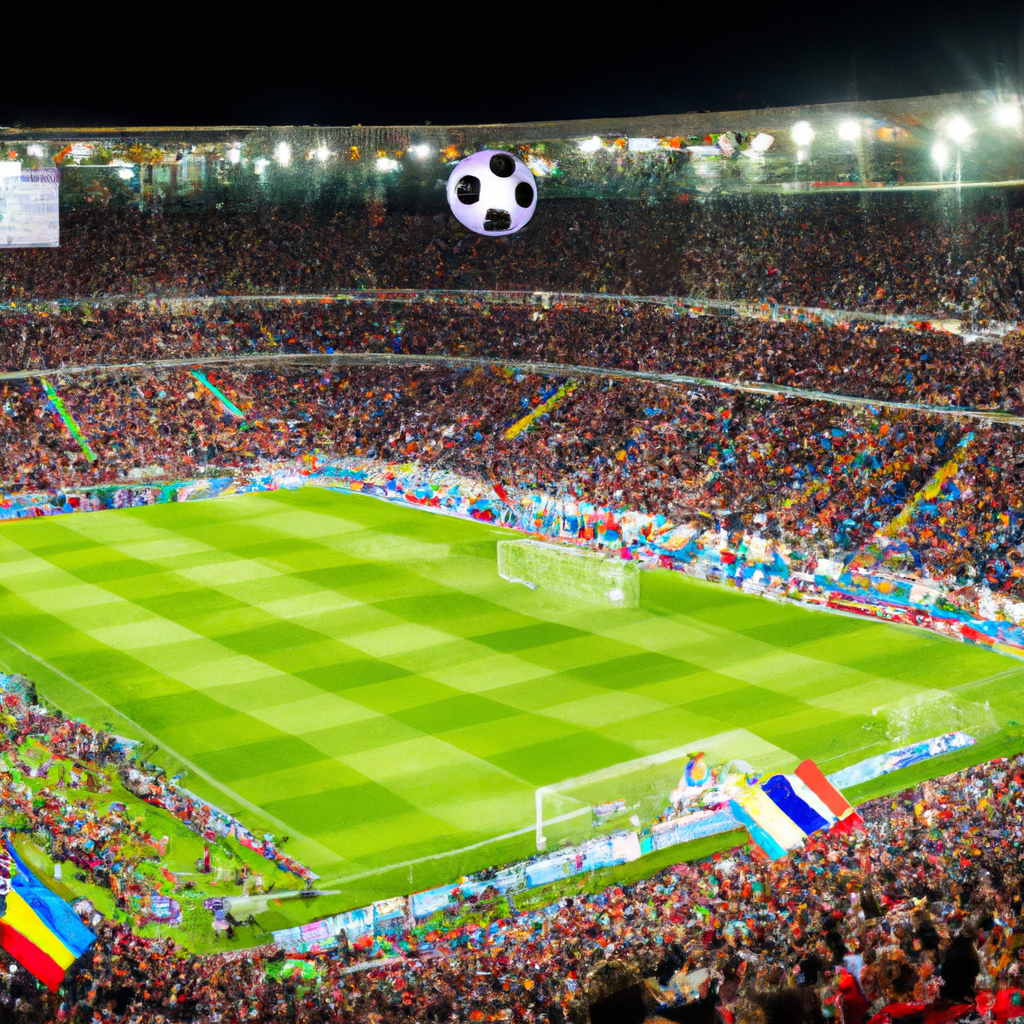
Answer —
917 913
918 916
650 446
817 474
897 254
863 360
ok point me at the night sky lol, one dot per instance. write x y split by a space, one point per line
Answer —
450 64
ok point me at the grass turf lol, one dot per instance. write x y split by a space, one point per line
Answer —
356 675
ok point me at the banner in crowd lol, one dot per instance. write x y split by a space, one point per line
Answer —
903 757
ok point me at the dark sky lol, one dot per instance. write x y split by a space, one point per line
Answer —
449 63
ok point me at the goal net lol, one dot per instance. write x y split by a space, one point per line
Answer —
640 790
585 576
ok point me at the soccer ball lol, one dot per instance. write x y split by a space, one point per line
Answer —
492 193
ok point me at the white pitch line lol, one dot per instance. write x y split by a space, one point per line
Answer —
462 849
156 741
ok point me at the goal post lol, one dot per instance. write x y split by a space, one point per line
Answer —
608 799
583 576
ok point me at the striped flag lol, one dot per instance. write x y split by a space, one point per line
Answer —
37 927
780 812
811 775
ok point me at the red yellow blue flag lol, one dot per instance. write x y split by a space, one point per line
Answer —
37 927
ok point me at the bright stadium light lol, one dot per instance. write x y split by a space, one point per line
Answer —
322 153
1008 115
387 165
940 155
591 145
802 133
849 131
421 151
235 153
958 129
761 142
283 154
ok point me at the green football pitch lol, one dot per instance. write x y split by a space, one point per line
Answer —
356 675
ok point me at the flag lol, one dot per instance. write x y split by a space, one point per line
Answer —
781 811
801 812
811 776
38 928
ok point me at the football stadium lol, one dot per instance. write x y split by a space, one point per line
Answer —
539 573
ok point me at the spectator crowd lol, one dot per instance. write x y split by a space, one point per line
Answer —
920 913
821 476
915 253
861 360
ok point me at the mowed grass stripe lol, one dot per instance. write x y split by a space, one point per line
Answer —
274 636
359 669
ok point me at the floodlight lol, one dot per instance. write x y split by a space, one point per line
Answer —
234 153
591 145
761 142
322 153
802 133
940 154
387 165
421 151
957 128
283 154
1008 116
849 131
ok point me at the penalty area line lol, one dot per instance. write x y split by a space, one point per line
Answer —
462 849
157 742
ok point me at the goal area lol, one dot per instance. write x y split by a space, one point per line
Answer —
583 576
616 797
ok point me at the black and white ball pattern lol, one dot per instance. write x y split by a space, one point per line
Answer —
492 193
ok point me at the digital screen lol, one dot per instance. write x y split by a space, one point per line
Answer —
29 215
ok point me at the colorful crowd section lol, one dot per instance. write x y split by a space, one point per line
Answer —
146 782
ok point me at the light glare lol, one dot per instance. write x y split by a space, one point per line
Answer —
35 150
591 145
387 165
261 165
1008 116
234 154
283 154
940 154
802 133
421 151
849 131
761 142
957 128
